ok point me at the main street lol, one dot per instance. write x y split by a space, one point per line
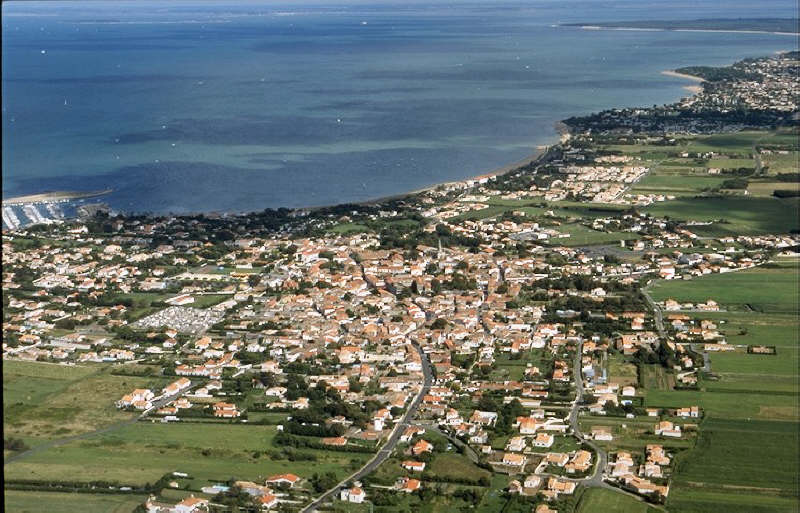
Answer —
391 442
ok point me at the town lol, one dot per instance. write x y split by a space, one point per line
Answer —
576 331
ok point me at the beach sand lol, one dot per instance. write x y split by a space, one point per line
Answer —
53 196
675 74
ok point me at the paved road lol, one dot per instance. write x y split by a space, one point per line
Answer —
596 479
113 427
656 311
394 437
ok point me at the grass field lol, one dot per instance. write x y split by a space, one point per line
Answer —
756 454
727 404
776 163
621 372
143 452
670 183
745 458
704 499
656 377
455 466
45 401
744 215
770 290
55 502
595 500
765 188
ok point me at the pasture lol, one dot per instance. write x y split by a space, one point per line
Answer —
764 289
597 499
46 401
18 501
144 451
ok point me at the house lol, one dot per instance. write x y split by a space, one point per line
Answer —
267 501
543 440
225 410
191 505
581 462
414 466
288 480
527 425
516 444
602 433
514 460
411 432
532 481
667 428
337 441
355 495
484 418
691 411
556 458
421 446
560 486
408 485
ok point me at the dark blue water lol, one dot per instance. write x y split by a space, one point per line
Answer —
194 106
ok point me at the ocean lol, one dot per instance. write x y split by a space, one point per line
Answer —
195 106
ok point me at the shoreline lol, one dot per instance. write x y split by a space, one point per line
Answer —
653 29
51 196
540 151
694 89
673 73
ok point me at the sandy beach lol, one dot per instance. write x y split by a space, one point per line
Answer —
675 74
53 196
540 150
729 31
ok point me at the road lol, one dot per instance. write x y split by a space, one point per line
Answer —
596 479
386 451
656 311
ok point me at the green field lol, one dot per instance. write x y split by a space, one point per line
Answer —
756 454
727 405
595 500
745 458
703 499
45 401
144 451
17 501
765 289
776 163
454 466
668 182
621 372
656 376
743 215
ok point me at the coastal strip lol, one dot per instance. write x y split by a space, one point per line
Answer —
675 74
45 197
538 154
694 89
654 29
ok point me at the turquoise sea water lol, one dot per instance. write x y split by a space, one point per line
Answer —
199 106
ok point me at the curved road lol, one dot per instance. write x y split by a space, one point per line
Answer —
596 479
385 451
